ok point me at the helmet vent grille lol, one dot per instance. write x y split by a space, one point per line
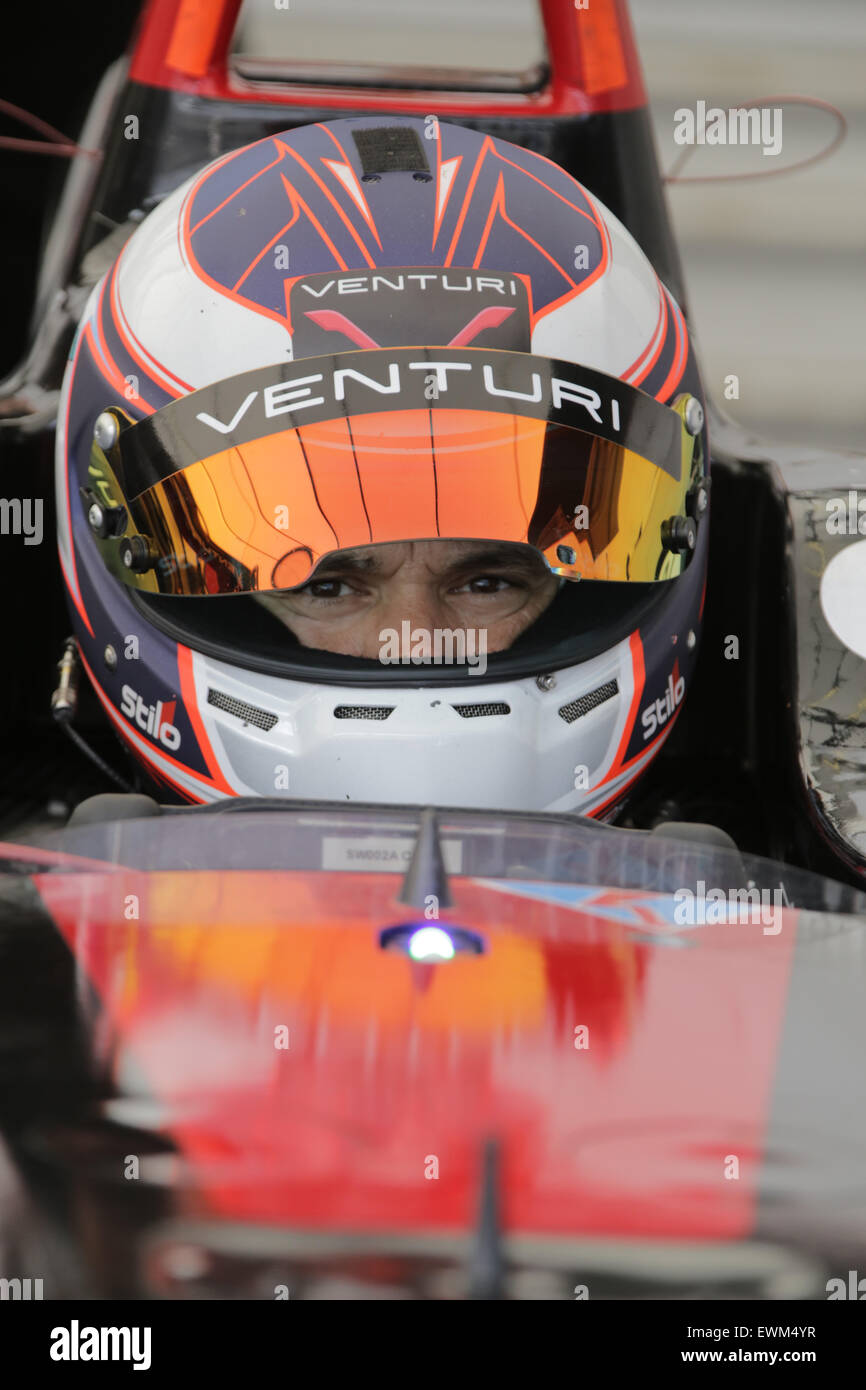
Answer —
575 709
481 711
250 714
363 711
386 149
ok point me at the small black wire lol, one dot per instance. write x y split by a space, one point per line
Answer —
94 757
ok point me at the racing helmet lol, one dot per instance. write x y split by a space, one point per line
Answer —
362 331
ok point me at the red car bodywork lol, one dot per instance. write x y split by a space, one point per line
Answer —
183 44
395 1072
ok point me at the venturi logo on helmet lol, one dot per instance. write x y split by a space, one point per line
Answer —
284 396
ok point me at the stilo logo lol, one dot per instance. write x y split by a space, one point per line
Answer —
660 711
154 720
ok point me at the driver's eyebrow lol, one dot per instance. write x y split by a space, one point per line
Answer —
488 557
347 563
495 557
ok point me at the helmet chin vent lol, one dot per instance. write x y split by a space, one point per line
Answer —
576 708
250 714
481 711
363 711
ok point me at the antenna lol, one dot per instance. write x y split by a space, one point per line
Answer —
426 876
487 1266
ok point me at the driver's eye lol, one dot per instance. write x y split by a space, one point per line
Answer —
486 584
327 588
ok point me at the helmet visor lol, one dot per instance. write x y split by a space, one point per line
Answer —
247 485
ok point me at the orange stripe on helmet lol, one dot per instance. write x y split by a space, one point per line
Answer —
365 211
188 256
639 679
159 375
190 701
673 377
334 203
488 146
641 367
212 168
74 592
218 782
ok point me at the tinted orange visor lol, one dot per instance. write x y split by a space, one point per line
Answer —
259 515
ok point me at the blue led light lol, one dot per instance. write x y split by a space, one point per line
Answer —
430 943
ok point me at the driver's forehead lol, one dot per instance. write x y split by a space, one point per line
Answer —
431 557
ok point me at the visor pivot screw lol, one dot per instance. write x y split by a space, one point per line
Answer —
545 682
106 430
691 641
109 656
135 554
698 500
679 533
694 415
104 521
565 555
